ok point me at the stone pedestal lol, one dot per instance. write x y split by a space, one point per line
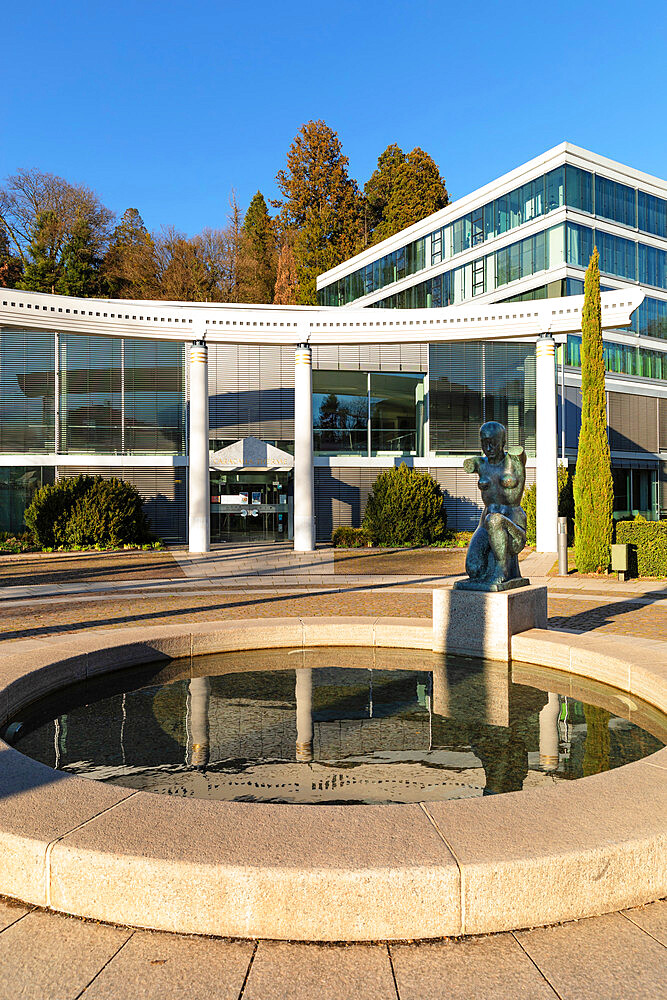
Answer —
478 623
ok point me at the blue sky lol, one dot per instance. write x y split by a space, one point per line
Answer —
168 106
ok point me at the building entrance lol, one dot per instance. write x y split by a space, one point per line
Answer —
249 506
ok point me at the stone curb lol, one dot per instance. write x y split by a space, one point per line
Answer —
345 872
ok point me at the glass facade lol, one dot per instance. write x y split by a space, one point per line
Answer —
367 413
623 359
473 382
114 396
565 186
17 487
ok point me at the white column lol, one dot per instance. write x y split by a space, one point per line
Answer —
549 733
304 525
304 714
547 445
199 501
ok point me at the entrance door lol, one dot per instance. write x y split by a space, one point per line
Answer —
250 506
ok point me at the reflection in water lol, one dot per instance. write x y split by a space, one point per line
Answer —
351 726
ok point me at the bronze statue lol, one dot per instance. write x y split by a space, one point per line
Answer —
492 561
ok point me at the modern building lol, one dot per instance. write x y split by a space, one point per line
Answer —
528 236
115 388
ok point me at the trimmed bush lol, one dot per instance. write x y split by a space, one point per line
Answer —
347 537
565 504
405 508
85 511
648 546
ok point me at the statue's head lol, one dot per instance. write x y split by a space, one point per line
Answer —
492 439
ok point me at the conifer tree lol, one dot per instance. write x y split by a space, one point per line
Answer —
80 266
403 189
130 268
257 253
321 207
593 485
42 268
11 267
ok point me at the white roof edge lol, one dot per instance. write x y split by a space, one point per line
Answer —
545 161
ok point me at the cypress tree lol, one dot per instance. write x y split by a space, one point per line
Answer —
593 485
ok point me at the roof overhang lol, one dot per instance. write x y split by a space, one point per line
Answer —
282 325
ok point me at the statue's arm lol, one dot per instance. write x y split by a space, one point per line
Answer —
518 455
471 465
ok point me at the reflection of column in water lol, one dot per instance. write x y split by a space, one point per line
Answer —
549 734
122 728
199 696
304 714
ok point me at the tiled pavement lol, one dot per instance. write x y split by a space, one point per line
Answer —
47 956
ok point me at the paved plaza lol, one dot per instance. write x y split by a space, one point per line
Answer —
48 956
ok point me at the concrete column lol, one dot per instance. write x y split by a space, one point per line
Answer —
199 501
304 524
547 445
549 733
199 697
304 714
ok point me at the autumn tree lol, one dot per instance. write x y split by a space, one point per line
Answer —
285 293
42 268
129 267
182 274
403 189
593 484
321 207
257 253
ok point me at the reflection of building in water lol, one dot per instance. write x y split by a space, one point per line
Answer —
383 734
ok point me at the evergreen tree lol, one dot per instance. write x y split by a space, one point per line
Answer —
593 485
42 269
285 293
321 206
11 267
402 190
80 266
257 256
130 270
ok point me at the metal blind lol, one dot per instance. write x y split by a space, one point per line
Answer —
340 497
633 422
162 489
27 384
251 392
372 357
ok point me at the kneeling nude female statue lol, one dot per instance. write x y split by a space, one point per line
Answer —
492 561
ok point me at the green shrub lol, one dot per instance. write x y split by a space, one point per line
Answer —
565 504
405 508
648 546
347 537
86 511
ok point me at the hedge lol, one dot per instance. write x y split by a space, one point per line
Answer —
648 546
346 537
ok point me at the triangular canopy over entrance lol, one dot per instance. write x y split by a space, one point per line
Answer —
251 453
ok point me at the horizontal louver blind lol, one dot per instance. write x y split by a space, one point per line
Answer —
27 385
633 422
163 491
251 392
372 357
340 497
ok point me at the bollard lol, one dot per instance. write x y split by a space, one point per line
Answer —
562 546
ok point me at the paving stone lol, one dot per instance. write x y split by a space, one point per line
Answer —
652 919
47 956
486 968
282 971
10 912
154 966
606 958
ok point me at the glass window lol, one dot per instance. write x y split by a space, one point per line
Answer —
154 418
18 485
397 413
650 319
652 266
617 256
579 244
555 189
340 412
615 201
652 214
90 394
27 388
579 188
